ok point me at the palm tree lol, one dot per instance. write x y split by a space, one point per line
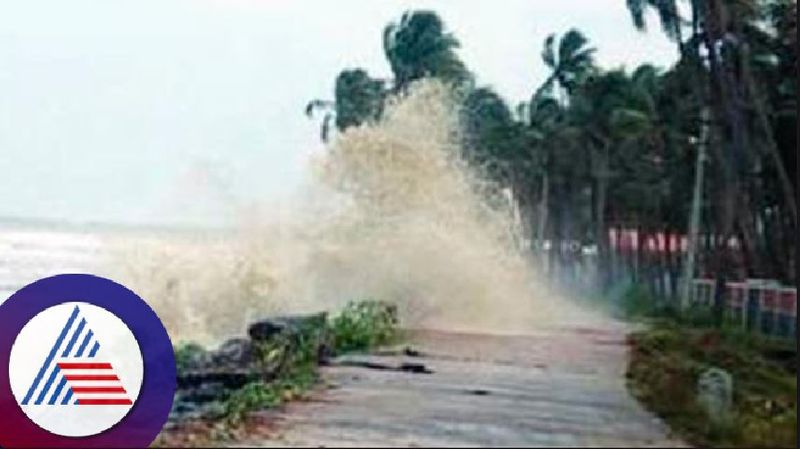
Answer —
659 136
418 46
668 16
545 123
595 106
491 134
358 98
569 64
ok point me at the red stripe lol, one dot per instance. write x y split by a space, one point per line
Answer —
91 377
84 365
77 390
104 402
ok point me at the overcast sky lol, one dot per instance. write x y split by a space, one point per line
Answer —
170 111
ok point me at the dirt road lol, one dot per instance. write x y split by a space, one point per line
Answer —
558 387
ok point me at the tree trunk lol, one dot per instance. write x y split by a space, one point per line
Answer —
772 146
601 233
543 209
726 112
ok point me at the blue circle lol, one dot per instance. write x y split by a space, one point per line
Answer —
144 421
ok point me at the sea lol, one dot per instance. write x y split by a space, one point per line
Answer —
33 249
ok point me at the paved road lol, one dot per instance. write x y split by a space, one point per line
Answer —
558 387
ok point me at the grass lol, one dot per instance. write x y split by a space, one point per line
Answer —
668 357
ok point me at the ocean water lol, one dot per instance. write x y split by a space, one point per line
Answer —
31 249
185 275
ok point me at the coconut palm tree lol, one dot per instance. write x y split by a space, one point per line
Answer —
358 98
418 46
570 63
491 135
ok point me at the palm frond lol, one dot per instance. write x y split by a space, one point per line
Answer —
548 54
636 8
571 44
317 104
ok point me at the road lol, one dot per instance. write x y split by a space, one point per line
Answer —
556 387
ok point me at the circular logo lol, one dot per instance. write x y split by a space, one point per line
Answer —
89 365
90 372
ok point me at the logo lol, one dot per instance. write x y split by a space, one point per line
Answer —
88 372
89 364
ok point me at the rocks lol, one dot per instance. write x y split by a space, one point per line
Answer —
269 328
715 394
266 329
206 378
237 352
293 331
228 378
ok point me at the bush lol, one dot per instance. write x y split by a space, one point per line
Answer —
364 325
359 326
186 354
285 367
298 347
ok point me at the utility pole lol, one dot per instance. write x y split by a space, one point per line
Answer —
694 219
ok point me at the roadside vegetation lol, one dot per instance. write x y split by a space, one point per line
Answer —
364 325
360 326
288 363
668 358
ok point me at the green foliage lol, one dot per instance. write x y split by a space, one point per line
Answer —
419 46
570 62
594 146
363 325
185 353
358 99
667 11
256 395
292 357
260 395
667 360
288 351
492 136
637 302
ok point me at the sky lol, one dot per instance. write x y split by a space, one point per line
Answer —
180 112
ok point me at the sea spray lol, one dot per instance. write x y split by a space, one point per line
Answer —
398 216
